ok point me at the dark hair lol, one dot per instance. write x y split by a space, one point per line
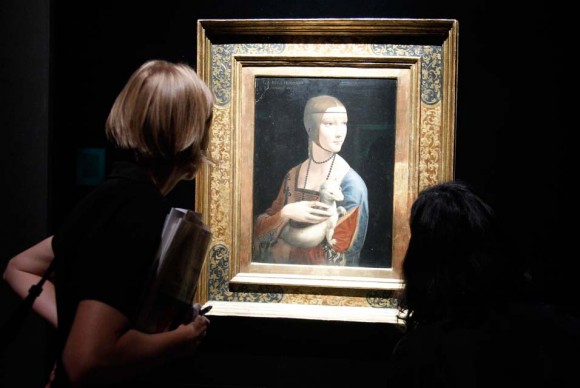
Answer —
455 262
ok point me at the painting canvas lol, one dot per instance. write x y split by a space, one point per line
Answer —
396 83
281 142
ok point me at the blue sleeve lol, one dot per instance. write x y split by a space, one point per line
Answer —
356 194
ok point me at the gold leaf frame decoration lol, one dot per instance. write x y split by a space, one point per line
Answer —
420 54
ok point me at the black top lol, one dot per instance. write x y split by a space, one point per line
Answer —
526 345
107 246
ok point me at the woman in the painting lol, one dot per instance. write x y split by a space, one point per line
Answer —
286 232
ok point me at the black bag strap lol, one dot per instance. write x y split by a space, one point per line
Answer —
15 321
36 289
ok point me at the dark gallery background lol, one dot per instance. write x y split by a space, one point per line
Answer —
63 62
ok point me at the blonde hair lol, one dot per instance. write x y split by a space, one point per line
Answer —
163 114
313 111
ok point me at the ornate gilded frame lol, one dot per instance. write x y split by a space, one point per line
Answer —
420 54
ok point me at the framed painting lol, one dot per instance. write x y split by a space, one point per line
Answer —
313 117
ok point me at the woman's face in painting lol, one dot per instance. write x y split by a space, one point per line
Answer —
332 130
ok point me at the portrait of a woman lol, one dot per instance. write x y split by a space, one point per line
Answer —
301 201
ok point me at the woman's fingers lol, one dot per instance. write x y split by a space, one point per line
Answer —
319 205
307 211
320 212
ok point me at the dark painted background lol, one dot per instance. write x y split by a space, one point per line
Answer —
281 142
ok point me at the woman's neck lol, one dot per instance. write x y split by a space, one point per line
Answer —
319 155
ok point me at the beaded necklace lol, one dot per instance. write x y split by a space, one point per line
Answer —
333 157
324 161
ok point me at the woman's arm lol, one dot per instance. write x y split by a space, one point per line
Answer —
271 219
26 269
103 348
275 217
356 195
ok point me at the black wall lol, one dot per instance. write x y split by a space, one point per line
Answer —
63 63
24 164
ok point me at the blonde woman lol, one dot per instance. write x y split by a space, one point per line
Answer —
105 248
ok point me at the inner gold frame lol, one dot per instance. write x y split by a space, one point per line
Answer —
420 54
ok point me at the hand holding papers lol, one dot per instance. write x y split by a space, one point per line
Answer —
175 274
